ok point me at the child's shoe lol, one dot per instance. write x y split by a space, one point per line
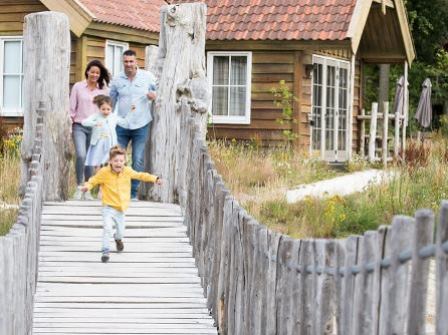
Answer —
78 194
105 257
119 244
88 196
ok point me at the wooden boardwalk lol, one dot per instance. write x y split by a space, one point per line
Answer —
152 287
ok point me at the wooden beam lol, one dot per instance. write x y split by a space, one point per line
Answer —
120 33
276 45
386 3
79 17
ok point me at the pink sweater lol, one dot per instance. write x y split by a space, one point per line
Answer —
81 101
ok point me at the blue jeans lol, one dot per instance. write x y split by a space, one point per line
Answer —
138 139
111 218
81 139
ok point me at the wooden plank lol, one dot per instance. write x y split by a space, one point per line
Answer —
418 288
71 331
442 272
347 258
395 279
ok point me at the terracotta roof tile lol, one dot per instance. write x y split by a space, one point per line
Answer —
140 14
277 19
240 20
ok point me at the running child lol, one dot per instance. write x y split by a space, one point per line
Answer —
115 181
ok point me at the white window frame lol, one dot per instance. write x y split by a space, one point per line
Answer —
6 112
320 59
112 43
231 119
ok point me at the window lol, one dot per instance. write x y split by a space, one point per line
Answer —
114 56
11 76
330 108
229 75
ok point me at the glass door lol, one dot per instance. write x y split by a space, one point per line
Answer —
329 117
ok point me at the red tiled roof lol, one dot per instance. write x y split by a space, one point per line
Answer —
140 14
277 19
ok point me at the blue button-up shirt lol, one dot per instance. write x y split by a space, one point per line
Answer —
129 97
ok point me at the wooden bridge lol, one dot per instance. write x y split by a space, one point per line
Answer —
251 280
153 287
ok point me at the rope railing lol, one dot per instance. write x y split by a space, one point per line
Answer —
19 248
261 282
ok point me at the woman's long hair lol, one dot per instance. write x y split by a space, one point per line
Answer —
104 78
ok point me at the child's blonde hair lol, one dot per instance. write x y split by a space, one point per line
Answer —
116 150
102 99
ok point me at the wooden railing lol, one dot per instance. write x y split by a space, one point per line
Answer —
19 249
261 282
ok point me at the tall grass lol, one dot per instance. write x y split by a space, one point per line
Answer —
422 182
9 181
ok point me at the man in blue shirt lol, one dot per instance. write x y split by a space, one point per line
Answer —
133 92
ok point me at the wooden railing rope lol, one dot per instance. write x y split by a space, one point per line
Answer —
19 249
261 282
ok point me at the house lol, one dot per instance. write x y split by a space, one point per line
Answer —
317 47
100 29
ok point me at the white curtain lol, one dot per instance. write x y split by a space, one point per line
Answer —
229 94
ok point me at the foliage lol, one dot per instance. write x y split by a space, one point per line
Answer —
421 184
428 25
284 99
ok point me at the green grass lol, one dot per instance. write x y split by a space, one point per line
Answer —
420 183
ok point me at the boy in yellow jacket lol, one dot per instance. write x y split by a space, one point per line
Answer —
115 182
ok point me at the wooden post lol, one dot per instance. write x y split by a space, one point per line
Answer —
351 108
151 52
372 140
397 123
383 94
362 142
46 78
405 110
385 131
423 236
442 272
183 88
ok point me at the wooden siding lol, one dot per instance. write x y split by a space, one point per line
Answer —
12 15
268 68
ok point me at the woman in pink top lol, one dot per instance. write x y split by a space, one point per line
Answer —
81 107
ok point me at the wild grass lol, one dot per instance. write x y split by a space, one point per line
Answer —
420 182
9 181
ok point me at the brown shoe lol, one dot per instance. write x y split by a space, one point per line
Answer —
119 244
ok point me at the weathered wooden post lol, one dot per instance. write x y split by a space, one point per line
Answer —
385 131
182 94
372 139
151 52
46 78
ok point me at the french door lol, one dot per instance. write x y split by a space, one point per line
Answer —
330 108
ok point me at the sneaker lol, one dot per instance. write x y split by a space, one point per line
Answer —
77 195
88 196
105 257
134 199
119 244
